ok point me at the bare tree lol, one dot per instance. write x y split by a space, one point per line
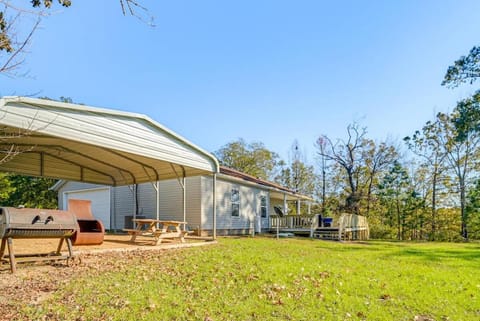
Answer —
8 148
348 154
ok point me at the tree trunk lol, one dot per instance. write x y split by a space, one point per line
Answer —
463 209
399 220
434 204
369 196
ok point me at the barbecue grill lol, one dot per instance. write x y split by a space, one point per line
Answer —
29 223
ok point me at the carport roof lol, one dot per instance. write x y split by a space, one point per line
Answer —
81 143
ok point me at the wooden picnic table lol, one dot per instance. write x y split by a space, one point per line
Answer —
169 230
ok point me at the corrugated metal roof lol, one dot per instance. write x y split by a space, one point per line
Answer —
96 145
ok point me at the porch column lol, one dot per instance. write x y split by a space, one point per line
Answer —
309 208
298 207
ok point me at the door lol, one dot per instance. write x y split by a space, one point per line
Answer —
262 215
100 198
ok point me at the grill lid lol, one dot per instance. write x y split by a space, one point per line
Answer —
34 219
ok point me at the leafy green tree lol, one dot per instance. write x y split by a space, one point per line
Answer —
460 141
253 158
473 210
463 152
401 200
466 120
31 192
428 146
6 188
464 70
378 157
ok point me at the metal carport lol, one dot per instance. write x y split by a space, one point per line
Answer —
81 143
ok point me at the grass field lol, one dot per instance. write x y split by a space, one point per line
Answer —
268 279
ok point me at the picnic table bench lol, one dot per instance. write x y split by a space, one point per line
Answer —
169 230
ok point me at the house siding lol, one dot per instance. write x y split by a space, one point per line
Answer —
226 223
123 205
171 201
199 204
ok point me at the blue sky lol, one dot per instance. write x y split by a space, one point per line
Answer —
270 71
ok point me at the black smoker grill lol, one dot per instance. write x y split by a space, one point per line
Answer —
32 223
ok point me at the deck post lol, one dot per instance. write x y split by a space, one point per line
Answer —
278 226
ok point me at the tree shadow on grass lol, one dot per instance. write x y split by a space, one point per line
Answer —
471 254
431 252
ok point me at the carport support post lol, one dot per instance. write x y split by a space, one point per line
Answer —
157 189
134 191
214 202
184 186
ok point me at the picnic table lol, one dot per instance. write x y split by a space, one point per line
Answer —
169 230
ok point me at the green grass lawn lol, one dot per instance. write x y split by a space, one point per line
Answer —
287 279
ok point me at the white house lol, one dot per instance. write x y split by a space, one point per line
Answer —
243 203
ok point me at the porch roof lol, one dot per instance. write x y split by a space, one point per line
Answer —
276 191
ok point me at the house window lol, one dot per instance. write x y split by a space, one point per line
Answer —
235 198
263 206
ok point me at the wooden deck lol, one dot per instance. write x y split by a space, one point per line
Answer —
300 225
349 227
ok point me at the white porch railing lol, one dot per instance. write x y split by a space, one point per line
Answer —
292 221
